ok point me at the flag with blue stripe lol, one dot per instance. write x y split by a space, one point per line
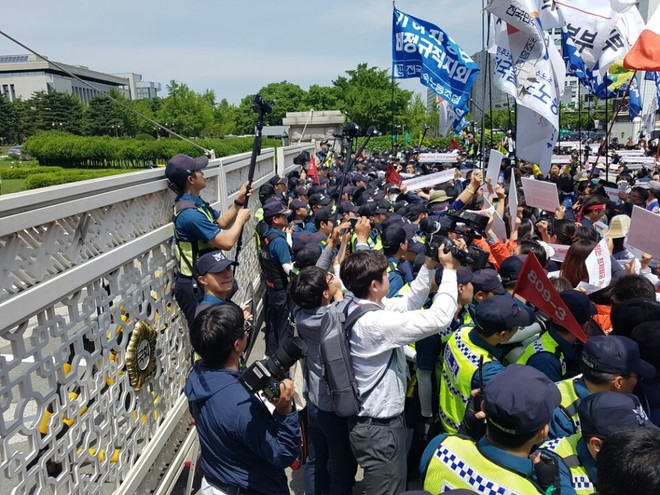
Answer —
423 50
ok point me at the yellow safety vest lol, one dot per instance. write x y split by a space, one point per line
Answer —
570 400
566 448
405 288
186 252
458 463
460 363
544 344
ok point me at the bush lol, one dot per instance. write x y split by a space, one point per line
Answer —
55 178
69 151
25 172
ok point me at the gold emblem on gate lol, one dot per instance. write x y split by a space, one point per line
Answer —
141 355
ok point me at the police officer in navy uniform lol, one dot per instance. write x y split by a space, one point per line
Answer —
276 263
600 415
518 405
198 228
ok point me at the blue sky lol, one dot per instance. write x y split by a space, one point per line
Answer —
231 47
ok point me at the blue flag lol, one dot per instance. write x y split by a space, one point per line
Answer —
635 102
575 66
421 49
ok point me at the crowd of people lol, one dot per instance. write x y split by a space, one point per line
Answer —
462 383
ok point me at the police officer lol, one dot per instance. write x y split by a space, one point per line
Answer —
600 415
473 356
518 405
276 262
198 228
555 353
395 246
608 363
215 276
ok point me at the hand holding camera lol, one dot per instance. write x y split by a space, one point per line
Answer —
284 402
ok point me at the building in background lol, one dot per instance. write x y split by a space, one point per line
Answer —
23 75
139 89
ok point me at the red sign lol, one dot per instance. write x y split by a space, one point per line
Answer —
534 286
312 171
392 175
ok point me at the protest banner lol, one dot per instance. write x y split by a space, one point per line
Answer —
599 265
493 170
643 233
540 194
561 159
429 180
437 158
534 286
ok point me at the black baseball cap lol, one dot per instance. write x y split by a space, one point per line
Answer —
393 236
297 203
511 267
213 262
487 280
274 208
181 166
615 354
501 313
319 199
520 400
608 412
579 305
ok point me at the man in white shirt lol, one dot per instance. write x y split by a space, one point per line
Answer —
378 432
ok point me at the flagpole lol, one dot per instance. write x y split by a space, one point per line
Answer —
579 121
392 99
606 140
483 91
609 131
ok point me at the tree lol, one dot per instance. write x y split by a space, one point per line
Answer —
283 96
104 117
321 98
57 111
370 97
224 116
184 111
8 121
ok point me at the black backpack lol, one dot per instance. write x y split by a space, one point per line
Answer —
336 326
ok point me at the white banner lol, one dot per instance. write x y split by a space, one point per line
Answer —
541 194
429 180
613 194
572 145
437 157
643 233
561 159
493 171
599 265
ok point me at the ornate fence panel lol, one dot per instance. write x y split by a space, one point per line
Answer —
82 266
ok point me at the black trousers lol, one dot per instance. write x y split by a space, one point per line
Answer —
278 328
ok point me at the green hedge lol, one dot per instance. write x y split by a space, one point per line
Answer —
65 176
25 172
69 151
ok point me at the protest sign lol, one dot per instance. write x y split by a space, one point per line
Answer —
643 233
560 251
429 180
561 159
612 194
534 286
599 265
540 194
493 171
438 158
499 228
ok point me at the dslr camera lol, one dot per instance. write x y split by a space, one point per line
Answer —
469 225
266 374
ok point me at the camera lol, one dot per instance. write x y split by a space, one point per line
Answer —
350 130
469 225
266 374
260 105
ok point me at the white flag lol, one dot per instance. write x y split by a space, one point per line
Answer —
589 23
445 117
536 137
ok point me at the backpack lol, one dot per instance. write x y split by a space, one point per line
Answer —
337 367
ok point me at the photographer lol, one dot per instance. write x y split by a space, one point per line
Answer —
244 447
198 228
378 433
